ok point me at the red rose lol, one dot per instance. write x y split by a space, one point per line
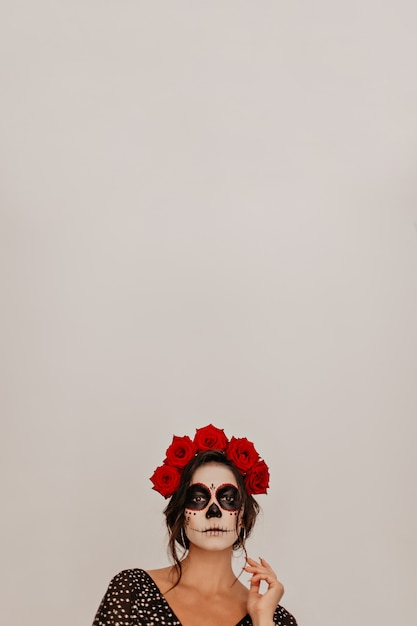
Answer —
242 453
257 480
180 452
210 438
166 480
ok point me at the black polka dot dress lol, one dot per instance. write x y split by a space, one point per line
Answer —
133 599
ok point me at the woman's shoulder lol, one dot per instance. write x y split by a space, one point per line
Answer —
136 577
161 577
128 575
130 581
130 594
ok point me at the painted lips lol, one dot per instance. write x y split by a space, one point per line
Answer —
216 531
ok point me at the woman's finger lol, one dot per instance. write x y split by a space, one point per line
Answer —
265 563
254 585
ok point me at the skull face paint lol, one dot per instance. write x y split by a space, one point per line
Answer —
213 508
226 496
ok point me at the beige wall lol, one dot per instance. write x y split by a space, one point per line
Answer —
209 215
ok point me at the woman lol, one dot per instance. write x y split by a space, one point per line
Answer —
210 481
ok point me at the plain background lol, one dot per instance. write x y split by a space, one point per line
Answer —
208 214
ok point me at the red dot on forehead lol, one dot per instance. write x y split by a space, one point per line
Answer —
212 486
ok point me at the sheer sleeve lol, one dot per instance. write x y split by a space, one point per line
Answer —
116 606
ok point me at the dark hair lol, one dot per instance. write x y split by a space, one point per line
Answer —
175 510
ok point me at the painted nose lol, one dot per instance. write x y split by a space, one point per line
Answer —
213 511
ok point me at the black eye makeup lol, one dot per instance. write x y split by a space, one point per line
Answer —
198 497
228 497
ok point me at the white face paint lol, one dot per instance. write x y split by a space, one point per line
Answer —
213 508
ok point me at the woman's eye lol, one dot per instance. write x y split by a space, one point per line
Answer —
197 498
228 498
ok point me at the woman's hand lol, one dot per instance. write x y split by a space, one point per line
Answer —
261 607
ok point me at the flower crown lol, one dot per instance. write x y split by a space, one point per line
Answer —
241 452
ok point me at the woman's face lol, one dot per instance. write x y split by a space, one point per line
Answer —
213 508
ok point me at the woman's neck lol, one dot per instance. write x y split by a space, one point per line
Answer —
209 571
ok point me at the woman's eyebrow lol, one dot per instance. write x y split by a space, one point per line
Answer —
227 487
199 487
